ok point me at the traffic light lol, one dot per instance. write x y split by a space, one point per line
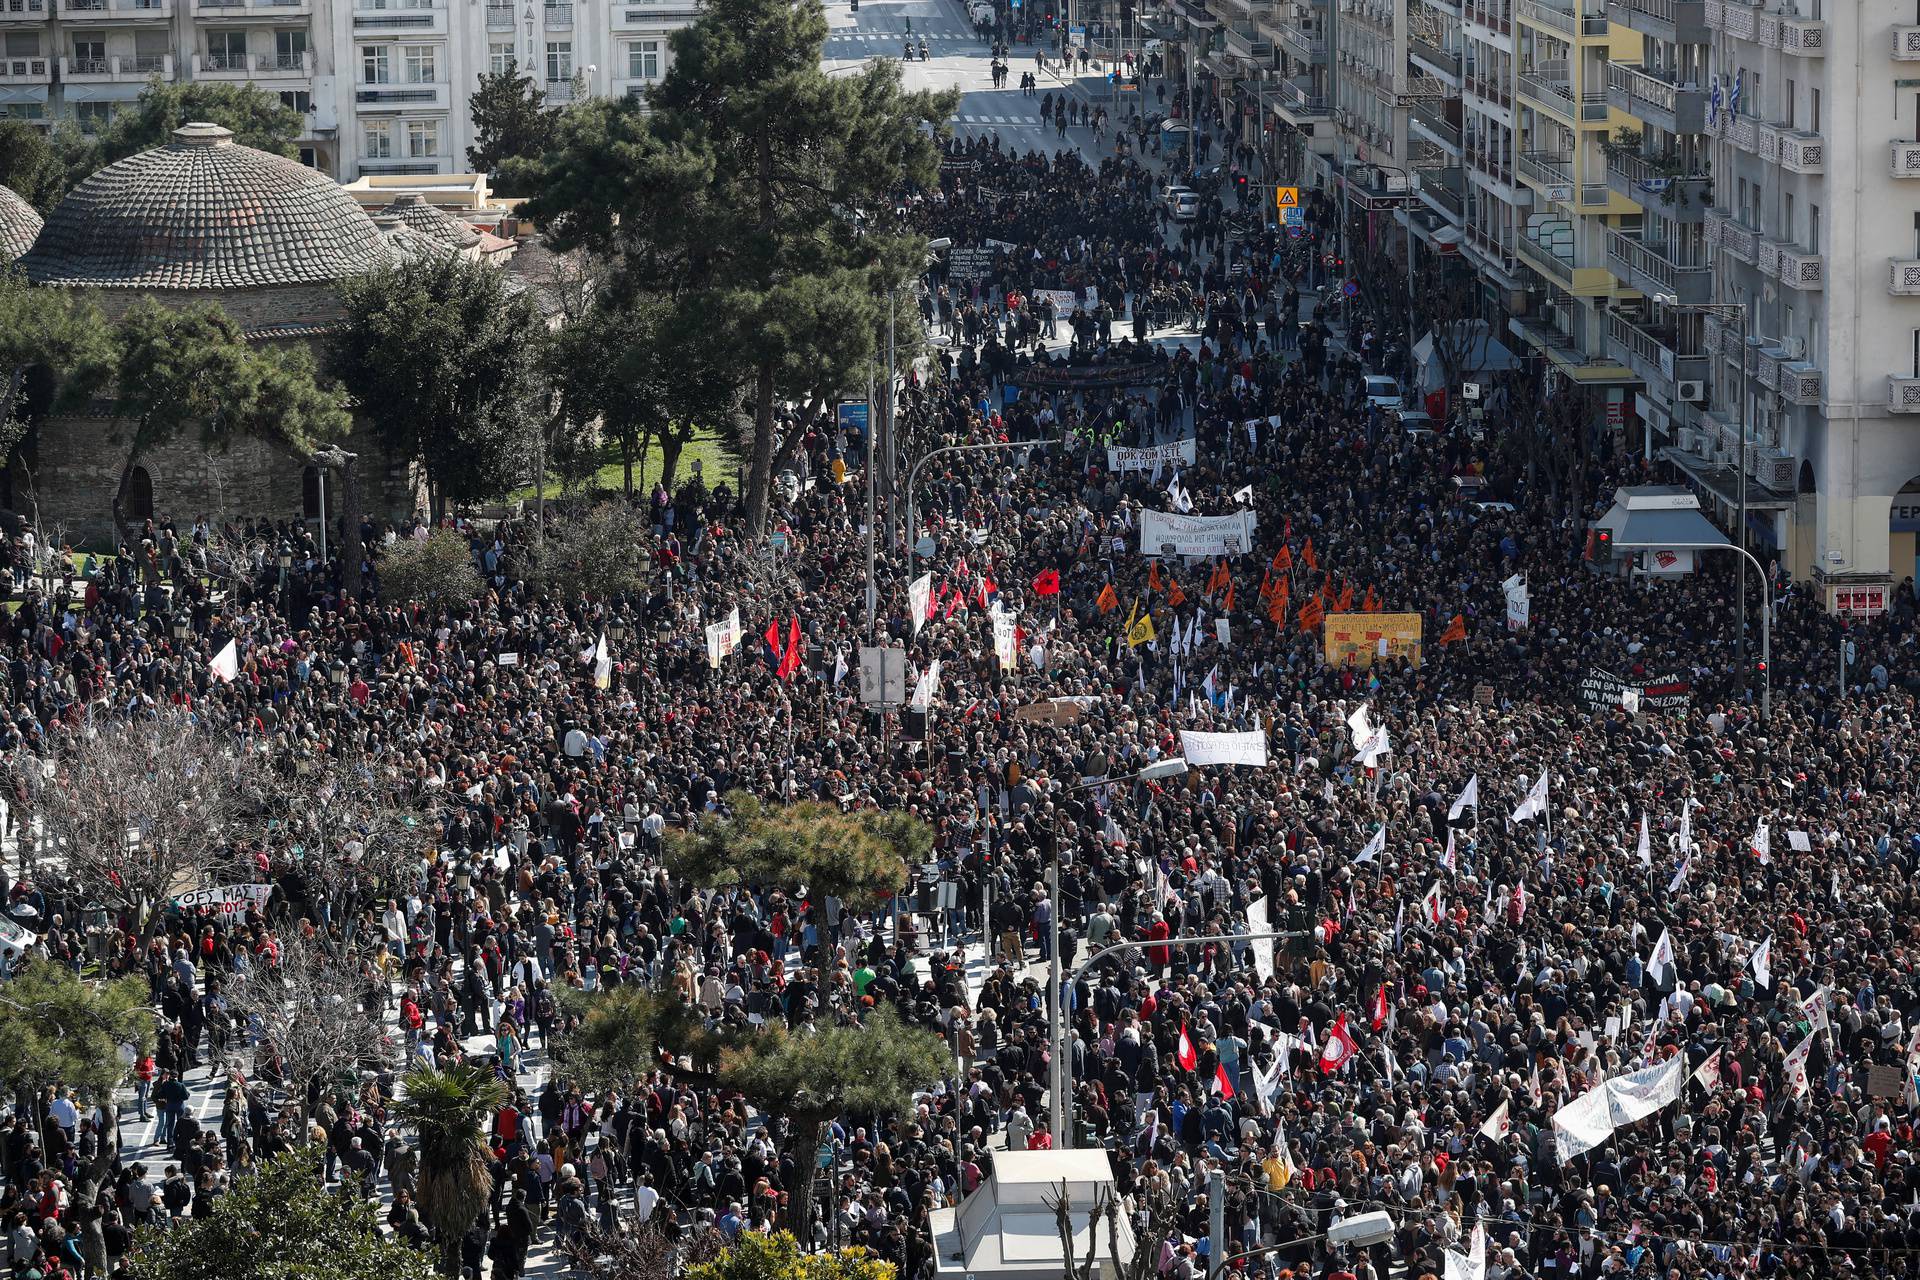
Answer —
1240 182
1599 544
1760 669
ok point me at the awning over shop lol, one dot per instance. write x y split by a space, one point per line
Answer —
1657 515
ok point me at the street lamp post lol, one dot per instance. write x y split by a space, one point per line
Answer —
1171 767
1744 311
1766 611
913 472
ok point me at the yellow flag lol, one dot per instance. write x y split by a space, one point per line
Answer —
1140 632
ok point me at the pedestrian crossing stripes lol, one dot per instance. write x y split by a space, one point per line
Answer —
897 37
1032 121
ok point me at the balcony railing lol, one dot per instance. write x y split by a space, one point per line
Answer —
499 17
1906 159
1657 351
1434 55
1444 187
1904 279
559 17
25 71
1491 90
1429 117
284 63
223 61
1555 94
1654 262
1549 169
559 91
24 10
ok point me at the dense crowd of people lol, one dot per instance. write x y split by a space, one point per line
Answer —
1463 973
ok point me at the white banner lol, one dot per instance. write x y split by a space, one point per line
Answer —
1519 606
1068 301
1180 452
1257 922
919 596
1590 1119
1004 646
228 899
1195 535
1225 748
723 637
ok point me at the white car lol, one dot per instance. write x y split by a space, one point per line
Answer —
1182 202
1384 392
980 13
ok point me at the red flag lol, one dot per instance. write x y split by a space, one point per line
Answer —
772 637
790 664
1380 1007
1222 1085
1308 558
1048 583
1456 630
987 591
1339 1047
1184 1054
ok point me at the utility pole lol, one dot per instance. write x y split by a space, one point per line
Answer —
1216 1222
873 585
893 505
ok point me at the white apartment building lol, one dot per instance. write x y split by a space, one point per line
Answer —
1814 237
384 84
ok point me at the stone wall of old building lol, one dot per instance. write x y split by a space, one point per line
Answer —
252 309
70 485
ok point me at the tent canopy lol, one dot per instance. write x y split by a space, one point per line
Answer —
1481 352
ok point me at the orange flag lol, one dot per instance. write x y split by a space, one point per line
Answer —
1283 558
1456 630
1345 604
1153 576
1228 605
1371 604
1267 585
1175 596
1277 606
1312 614
1108 601
1307 557
1220 579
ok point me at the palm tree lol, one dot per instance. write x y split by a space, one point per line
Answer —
451 1110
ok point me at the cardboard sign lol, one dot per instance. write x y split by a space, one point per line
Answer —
1885 1081
1048 712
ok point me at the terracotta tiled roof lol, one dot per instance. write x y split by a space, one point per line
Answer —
19 226
203 213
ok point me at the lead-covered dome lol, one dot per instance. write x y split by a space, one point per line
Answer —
19 226
204 213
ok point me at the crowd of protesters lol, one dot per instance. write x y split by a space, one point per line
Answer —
1468 974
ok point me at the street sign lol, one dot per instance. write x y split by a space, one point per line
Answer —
853 416
883 675
1296 229
1351 289
1293 216
1286 197
1470 391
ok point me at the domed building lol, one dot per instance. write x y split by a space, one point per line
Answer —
19 226
204 220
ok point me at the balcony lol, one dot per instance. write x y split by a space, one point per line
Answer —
654 15
559 17
1553 17
1906 44
1903 395
252 66
499 17
1681 197
1488 89
1651 353
375 17
1544 260
1306 46
1744 133
559 91
1739 19
1495 15
1724 231
1444 190
389 96
1650 268
24 12
1673 107
1905 278
1800 383
1802 152
1906 159
26 71
1298 105
1801 270
242 10
1440 62
116 10
1430 118
1674 21
1551 95
121 69
1566 354
1549 171
1802 37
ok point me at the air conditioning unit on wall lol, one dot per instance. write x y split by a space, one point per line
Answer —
1690 390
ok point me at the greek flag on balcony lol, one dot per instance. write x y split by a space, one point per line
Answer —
1713 103
1733 99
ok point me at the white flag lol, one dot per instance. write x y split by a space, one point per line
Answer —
1469 798
1686 826
226 664
919 600
1762 963
1708 1072
1536 802
1496 1126
1375 847
1359 725
1471 1265
1796 1072
1646 846
1762 843
1243 495
1447 861
928 685
1680 876
1815 1007
839 667
1435 904
1661 961
602 664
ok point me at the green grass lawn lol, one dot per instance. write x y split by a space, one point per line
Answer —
611 477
